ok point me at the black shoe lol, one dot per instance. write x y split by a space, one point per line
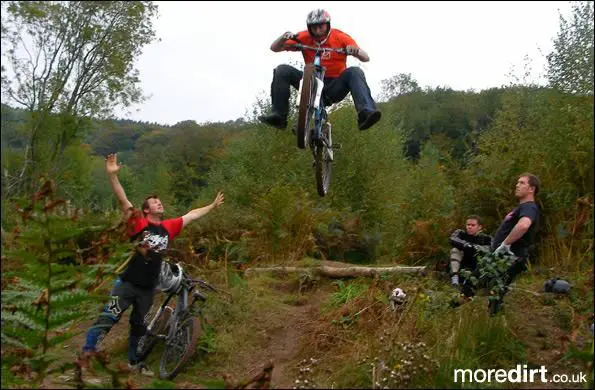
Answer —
274 120
367 119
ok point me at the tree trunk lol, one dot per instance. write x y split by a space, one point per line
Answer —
340 272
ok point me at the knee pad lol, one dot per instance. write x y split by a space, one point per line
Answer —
456 254
455 266
106 319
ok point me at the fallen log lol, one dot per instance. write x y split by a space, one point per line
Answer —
339 272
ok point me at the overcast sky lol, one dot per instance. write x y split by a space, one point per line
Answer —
213 59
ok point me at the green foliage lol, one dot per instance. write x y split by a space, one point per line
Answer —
570 65
76 62
491 273
550 135
397 85
161 384
346 293
476 341
46 292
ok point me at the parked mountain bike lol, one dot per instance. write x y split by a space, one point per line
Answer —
177 322
313 127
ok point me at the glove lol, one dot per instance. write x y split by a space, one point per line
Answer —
352 50
504 249
289 35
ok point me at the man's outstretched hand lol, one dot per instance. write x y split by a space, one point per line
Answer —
111 164
218 200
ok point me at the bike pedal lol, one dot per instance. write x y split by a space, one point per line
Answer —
337 146
161 336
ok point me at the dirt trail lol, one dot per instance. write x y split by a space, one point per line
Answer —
283 332
286 341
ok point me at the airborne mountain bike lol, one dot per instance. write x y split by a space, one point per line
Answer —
179 323
313 128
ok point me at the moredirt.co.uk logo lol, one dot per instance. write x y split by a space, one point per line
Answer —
520 374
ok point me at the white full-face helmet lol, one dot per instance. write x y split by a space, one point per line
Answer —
170 277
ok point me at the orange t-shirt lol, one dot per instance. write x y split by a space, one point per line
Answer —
335 63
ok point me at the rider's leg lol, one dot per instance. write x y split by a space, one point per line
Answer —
456 257
284 76
353 80
122 296
142 304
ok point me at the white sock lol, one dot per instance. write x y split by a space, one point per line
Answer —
455 279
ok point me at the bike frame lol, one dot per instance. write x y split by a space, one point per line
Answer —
320 113
182 306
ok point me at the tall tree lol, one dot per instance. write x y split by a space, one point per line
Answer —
69 60
399 84
570 64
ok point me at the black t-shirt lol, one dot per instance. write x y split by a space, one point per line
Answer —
143 271
520 247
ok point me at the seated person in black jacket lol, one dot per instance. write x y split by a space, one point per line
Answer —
462 254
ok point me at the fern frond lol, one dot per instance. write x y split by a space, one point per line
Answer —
22 319
12 341
60 319
69 298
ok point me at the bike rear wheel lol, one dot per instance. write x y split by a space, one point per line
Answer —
178 350
324 160
306 111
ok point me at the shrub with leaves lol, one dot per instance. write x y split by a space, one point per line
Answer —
45 293
491 273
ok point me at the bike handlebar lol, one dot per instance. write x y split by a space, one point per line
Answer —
301 47
200 282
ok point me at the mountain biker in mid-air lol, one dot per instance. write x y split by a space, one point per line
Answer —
339 80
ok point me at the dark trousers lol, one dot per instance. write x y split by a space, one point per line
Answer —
123 295
335 89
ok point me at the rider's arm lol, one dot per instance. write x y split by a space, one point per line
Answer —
112 168
199 212
350 44
528 214
456 240
278 44
518 231
119 191
362 55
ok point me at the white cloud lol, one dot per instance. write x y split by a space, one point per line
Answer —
214 58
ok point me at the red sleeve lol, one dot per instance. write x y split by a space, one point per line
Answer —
173 226
346 39
136 223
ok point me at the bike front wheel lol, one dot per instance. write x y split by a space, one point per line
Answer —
180 348
324 159
147 342
306 111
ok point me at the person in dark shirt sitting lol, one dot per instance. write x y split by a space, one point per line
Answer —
464 247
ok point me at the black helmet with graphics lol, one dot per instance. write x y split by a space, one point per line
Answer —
318 16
